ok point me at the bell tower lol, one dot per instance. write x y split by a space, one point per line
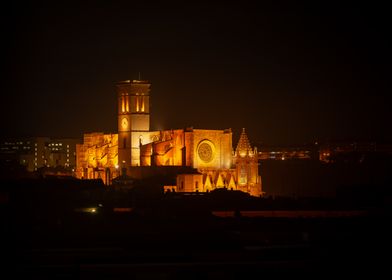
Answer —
133 119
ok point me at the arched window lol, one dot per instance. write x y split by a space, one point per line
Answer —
122 104
137 103
142 103
127 104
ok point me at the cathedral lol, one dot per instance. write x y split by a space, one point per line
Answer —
136 151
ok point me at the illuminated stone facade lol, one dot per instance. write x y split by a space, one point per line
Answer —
210 152
97 157
197 148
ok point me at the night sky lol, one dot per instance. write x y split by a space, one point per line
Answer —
288 74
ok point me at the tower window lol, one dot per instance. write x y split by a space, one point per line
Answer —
124 143
137 103
122 104
127 104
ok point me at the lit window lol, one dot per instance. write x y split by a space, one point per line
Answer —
142 104
67 146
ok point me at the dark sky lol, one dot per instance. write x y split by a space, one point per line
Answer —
289 74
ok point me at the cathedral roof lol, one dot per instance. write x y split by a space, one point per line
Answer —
243 146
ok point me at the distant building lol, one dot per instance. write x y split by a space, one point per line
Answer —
288 153
330 152
136 147
39 152
352 151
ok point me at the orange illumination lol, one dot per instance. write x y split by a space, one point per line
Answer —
127 104
137 103
142 104
122 104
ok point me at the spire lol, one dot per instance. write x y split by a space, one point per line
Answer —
243 146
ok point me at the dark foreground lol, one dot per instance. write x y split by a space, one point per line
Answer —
61 230
113 245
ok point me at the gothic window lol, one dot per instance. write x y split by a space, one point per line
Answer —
142 103
137 103
243 175
122 104
127 104
205 151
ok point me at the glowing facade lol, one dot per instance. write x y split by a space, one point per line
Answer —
97 157
133 120
210 152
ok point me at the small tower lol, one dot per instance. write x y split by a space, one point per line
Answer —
133 117
247 166
243 147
